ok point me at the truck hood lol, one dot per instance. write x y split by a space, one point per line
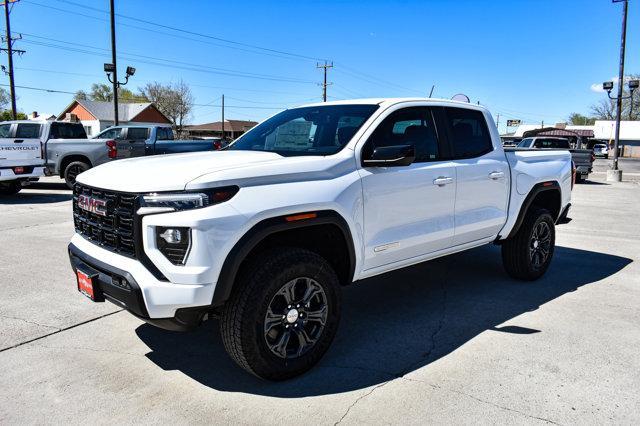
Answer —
177 172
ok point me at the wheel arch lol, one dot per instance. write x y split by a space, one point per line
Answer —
325 227
65 161
544 194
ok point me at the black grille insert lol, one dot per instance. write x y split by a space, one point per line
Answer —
113 231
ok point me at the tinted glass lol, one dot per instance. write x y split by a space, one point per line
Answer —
111 134
67 131
552 143
469 133
409 126
321 130
4 130
164 134
137 133
28 131
524 143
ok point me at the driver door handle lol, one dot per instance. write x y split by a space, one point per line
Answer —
496 175
442 180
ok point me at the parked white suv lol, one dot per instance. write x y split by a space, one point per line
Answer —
264 233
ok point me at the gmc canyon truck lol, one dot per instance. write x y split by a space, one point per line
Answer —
69 157
264 233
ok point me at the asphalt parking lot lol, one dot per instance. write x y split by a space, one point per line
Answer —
451 341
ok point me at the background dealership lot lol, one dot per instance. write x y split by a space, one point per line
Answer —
453 340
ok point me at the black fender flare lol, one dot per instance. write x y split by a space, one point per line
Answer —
262 230
533 193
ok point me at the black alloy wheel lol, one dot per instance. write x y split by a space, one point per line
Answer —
295 318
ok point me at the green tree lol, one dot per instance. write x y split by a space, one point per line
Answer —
578 119
104 93
5 115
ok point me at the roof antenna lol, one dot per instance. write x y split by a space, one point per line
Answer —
431 92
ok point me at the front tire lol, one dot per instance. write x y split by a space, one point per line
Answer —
10 188
72 171
283 313
527 255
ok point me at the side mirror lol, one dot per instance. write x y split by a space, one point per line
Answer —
391 156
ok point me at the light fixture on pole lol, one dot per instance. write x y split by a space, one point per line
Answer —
110 69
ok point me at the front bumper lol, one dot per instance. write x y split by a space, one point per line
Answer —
127 283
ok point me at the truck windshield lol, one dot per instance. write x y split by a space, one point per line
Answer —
318 130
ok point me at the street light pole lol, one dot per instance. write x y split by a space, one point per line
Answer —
115 65
615 174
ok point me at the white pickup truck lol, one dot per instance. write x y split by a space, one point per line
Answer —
21 155
264 233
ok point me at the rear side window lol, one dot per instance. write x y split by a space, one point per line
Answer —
28 131
408 126
164 134
552 143
138 133
67 131
5 130
469 133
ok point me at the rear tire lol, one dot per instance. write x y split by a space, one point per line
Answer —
527 255
275 329
72 171
10 188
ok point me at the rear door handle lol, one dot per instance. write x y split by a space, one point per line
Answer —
442 180
496 175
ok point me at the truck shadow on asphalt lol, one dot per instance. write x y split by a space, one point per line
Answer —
34 198
396 323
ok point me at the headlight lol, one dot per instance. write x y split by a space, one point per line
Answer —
188 200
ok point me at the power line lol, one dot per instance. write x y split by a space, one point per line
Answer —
170 63
41 89
181 30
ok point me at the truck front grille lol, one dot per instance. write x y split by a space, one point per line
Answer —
106 218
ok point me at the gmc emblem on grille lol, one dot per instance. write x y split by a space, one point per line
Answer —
92 205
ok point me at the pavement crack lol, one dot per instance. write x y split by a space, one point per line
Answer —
30 322
483 401
358 399
60 330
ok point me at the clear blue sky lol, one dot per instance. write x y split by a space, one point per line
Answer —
533 60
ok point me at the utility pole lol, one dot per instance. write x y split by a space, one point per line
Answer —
223 138
115 65
10 52
615 174
325 84
498 122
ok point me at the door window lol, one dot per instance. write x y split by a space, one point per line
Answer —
28 131
409 126
138 133
115 133
5 130
469 132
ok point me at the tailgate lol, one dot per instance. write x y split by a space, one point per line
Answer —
19 151
581 157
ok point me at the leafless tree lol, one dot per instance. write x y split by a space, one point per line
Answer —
606 109
173 100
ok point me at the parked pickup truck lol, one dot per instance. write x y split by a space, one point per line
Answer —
22 158
582 158
265 233
70 157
